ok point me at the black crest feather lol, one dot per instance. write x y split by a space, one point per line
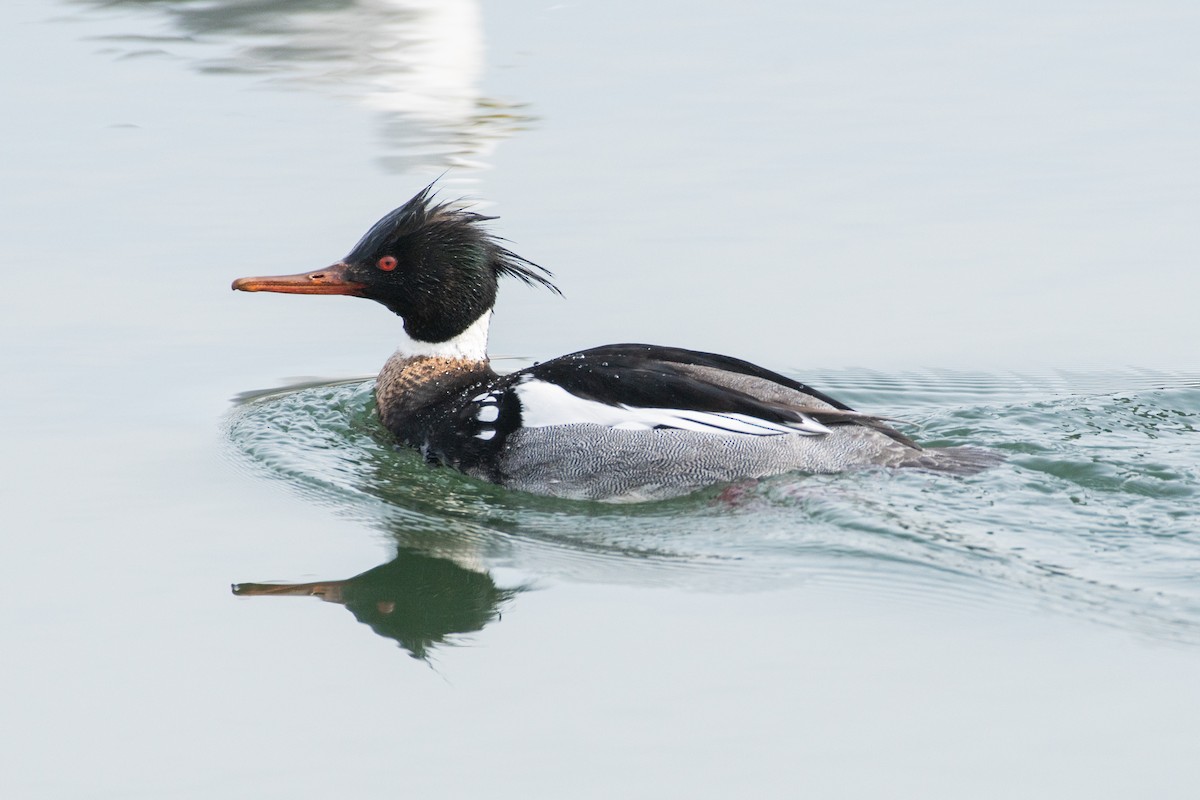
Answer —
423 216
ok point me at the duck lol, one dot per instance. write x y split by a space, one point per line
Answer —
618 423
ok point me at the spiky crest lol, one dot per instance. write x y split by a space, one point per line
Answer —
422 218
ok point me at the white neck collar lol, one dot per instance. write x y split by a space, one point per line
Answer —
470 345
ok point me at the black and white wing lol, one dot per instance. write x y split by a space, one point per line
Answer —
643 387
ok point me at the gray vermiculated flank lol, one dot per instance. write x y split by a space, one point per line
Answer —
588 461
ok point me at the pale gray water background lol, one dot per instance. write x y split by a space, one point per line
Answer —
980 218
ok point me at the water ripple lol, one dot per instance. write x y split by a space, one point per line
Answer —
1093 514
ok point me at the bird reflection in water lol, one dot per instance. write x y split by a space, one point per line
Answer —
419 600
417 64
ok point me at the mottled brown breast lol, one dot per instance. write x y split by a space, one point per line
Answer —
409 385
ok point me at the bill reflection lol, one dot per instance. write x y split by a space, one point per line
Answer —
421 601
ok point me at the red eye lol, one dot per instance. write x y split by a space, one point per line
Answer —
387 263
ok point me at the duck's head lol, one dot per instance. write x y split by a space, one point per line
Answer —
432 264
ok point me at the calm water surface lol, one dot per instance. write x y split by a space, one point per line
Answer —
980 221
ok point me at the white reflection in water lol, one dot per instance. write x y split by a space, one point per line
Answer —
417 63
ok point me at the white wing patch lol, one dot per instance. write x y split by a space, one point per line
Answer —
544 404
487 413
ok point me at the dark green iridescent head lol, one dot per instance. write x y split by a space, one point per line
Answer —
431 263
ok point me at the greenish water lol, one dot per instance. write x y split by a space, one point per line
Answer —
1092 514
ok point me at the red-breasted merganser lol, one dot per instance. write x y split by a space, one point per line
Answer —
618 422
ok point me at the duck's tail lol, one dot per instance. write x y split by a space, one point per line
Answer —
964 460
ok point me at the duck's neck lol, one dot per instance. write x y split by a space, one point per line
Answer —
470 345
420 375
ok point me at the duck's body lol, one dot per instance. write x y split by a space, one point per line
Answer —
619 422
630 422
